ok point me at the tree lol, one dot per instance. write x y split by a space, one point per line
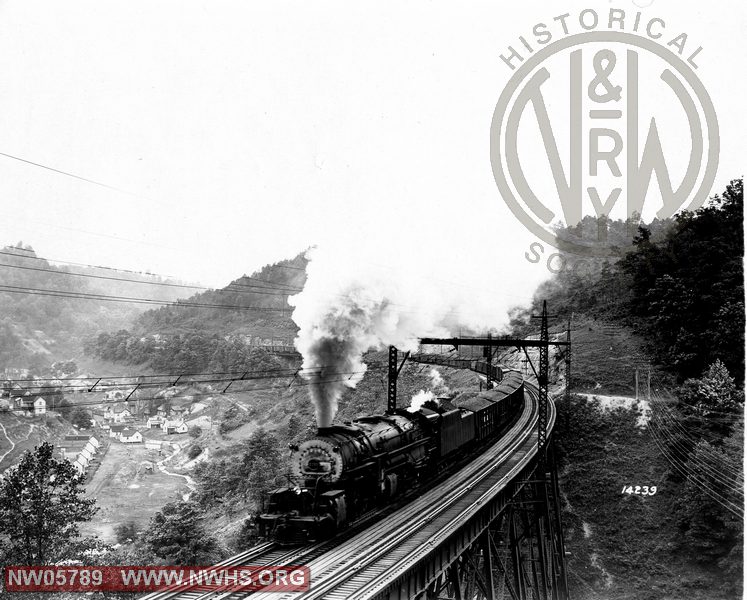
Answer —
80 418
41 504
708 509
126 532
711 403
194 451
295 427
177 535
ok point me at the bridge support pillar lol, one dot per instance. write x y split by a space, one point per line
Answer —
521 555
533 528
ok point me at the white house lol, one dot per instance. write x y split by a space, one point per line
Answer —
175 427
40 406
116 430
80 464
130 436
122 415
155 422
94 442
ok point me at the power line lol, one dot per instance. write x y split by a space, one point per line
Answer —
709 470
67 174
699 467
261 290
127 299
198 287
731 507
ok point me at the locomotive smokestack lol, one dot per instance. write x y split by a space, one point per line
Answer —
348 308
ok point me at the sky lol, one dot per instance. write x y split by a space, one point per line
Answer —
230 134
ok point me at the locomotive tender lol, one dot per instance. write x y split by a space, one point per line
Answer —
346 470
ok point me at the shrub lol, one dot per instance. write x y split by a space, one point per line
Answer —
126 532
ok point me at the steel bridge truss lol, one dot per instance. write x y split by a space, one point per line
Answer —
519 556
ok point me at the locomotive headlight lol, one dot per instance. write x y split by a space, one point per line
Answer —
314 458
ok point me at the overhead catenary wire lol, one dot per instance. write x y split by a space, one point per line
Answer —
284 386
102 383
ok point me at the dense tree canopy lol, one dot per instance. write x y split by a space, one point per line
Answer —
681 285
177 535
41 504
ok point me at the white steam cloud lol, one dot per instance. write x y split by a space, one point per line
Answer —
419 399
350 306
437 382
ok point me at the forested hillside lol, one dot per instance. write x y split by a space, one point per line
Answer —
46 310
225 333
254 304
680 287
675 302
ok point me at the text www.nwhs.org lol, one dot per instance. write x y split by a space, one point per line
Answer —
153 579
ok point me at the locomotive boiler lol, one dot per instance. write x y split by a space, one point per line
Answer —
344 471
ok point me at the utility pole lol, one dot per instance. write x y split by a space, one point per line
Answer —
543 381
636 383
648 384
488 353
391 399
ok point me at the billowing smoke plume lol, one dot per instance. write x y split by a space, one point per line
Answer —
336 331
437 382
349 307
419 399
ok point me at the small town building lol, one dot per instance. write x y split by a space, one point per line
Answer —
81 465
175 427
116 430
40 406
130 436
155 422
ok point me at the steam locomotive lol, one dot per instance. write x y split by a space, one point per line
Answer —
346 470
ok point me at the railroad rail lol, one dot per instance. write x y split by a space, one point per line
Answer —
388 558
495 521
400 556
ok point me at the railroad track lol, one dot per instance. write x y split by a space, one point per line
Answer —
362 565
337 564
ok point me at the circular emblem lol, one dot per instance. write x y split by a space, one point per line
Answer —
584 127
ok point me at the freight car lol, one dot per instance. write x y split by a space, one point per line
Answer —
346 470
